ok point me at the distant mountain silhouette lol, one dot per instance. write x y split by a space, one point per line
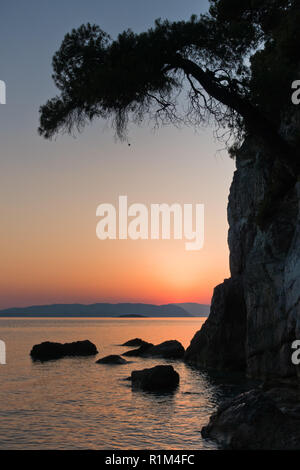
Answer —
96 310
197 310
132 315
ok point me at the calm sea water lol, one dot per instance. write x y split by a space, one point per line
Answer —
73 403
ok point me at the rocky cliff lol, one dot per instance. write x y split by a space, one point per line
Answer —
255 315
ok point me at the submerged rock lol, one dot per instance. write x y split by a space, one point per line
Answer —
254 421
134 342
112 359
141 351
157 378
49 350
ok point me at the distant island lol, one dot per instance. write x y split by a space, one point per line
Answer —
108 310
132 315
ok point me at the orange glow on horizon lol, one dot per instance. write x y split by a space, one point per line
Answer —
156 272
49 249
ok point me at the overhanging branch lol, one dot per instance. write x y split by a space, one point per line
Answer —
255 121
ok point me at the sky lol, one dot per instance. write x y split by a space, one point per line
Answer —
49 190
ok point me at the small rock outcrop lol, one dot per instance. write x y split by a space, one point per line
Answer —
113 359
136 342
168 350
255 421
141 351
49 350
158 378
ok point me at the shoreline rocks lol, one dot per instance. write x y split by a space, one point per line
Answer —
158 378
48 350
257 420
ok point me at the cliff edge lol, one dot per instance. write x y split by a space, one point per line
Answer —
255 315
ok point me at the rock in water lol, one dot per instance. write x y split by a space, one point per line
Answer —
168 349
140 351
158 378
112 359
253 421
136 342
49 350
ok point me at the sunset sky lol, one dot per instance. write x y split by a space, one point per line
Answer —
50 190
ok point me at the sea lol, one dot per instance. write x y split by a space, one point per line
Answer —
74 403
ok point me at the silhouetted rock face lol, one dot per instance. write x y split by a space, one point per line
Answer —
254 421
135 342
112 359
268 262
168 349
140 351
221 343
48 350
255 315
159 378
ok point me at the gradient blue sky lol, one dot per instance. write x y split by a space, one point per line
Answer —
50 190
